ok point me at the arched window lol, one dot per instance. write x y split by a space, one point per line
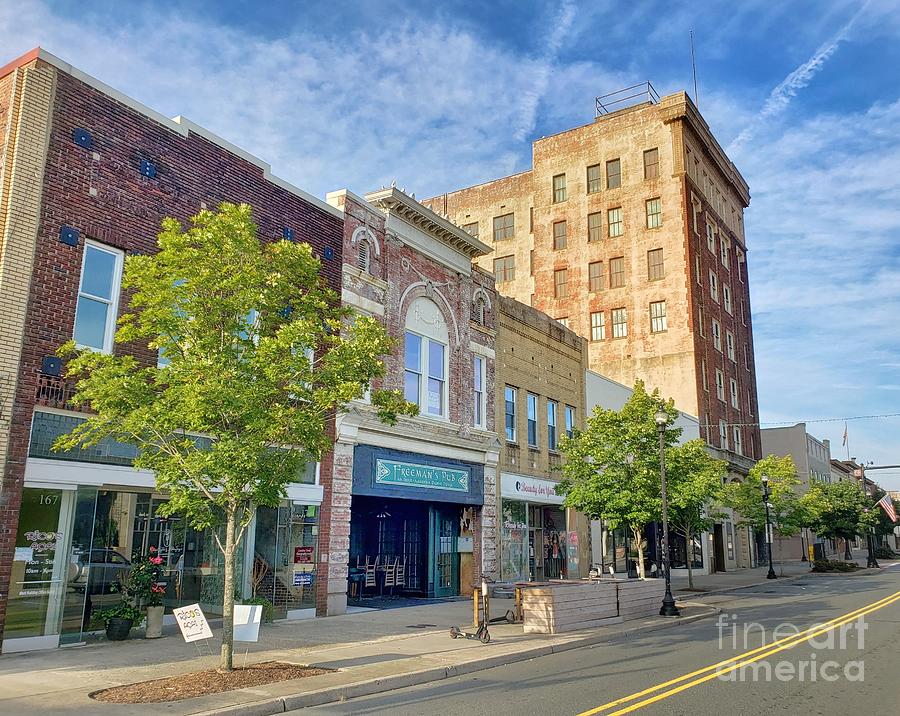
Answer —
362 257
426 358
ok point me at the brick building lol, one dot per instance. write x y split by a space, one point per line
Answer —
540 395
414 504
629 230
86 175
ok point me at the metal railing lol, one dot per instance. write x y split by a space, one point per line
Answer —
642 92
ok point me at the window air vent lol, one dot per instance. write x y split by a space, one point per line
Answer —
82 138
51 365
68 235
148 169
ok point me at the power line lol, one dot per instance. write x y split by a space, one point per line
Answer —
811 420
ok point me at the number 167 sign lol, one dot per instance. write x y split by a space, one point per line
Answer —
192 623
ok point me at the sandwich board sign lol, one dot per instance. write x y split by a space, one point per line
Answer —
246 621
192 622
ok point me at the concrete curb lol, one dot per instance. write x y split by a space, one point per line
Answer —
370 687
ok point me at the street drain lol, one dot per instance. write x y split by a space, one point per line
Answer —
420 626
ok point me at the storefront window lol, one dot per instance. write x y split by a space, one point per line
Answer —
514 541
285 556
37 580
679 558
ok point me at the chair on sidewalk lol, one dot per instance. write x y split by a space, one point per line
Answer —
390 576
401 573
371 580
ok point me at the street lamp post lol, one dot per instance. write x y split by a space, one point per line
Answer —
766 494
668 608
870 544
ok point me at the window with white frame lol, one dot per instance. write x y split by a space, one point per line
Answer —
710 237
98 297
594 179
734 393
703 378
726 297
531 415
714 286
729 345
725 251
510 400
570 421
654 213
701 321
658 321
426 358
720 385
695 213
619 322
559 188
595 226
598 326
723 434
717 335
478 395
614 225
738 440
552 410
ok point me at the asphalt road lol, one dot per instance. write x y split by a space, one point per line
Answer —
832 675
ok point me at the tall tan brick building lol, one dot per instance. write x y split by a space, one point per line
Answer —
629 230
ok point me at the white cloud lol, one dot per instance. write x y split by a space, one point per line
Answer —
781 96
429 105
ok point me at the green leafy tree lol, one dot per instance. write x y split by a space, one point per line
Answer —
836 510
611 468
694 482
787 514
259 355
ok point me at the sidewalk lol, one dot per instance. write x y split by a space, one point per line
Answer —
373 651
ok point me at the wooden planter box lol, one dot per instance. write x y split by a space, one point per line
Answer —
640 598
560 606
555 607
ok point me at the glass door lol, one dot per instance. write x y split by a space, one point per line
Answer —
445 530
38 580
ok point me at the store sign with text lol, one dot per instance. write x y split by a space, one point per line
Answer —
529 489
390 472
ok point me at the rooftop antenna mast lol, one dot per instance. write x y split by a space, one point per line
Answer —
694 71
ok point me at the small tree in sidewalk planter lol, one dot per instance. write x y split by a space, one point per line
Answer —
611 468
787 515
694 480
257 357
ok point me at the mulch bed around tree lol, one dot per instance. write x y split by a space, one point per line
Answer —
201 683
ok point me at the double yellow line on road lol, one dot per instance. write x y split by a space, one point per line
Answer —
700 676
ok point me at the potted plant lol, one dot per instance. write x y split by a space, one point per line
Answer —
145 590
120 619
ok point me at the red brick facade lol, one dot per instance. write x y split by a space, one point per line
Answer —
101 192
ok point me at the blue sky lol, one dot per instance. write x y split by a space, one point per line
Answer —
804 95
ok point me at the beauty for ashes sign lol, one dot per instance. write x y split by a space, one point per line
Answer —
389 472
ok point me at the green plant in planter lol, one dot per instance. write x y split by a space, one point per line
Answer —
268 609
122 610
143 587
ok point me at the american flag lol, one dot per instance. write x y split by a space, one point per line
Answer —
887 504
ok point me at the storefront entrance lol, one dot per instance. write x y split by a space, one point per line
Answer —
539 539
409 545
413 524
